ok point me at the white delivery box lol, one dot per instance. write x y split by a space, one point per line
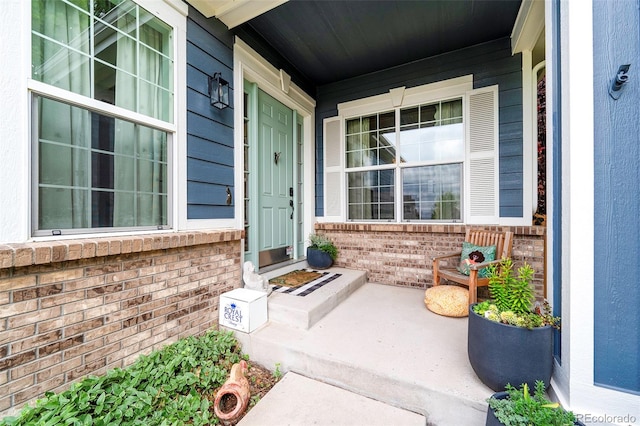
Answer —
243 309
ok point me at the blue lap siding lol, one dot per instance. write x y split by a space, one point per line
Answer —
209 130
616 201
490 63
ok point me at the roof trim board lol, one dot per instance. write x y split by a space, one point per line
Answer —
528 26
234 12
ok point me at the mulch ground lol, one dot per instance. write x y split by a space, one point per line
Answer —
261 380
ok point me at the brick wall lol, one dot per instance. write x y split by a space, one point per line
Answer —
401 254
78 307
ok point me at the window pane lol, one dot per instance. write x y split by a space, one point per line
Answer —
409 116
354 159
157 213
61 67
388 120
432 192
439 136
132 52
387 144
115 48
450 110
370 123
64 139
101 209
96 171
67 208
353 126
72 164
155 101
155 33
61 45
439 143
118 14
63 23
353 142
371 140
371 195
155 68
428 113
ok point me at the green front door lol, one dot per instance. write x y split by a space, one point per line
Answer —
275 181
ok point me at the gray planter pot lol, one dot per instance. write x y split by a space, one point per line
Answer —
318 259
502 353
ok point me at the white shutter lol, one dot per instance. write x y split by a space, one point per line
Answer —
334 188
481 167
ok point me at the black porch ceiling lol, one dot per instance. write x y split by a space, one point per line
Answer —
328 41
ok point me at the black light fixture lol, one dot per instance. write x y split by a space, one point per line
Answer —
218 91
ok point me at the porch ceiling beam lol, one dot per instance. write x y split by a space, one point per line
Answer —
234 12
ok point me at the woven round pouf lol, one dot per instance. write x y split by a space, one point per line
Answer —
447 300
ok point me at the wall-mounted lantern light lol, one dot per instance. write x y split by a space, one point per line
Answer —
218 91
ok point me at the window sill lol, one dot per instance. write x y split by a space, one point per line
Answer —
41 253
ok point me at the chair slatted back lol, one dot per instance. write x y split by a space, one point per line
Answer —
502 240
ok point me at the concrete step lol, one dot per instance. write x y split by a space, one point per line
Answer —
303 312
383 344
298 400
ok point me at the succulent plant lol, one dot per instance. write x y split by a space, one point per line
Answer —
512 299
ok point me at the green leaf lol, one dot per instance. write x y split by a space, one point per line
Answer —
53 421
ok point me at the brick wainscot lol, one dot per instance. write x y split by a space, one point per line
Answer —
71 308
401 254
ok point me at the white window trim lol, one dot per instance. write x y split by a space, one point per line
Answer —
64 96
402 97
397 98
173 13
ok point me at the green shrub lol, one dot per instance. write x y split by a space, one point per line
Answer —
511 293
170 386
324 244
512 298
522 409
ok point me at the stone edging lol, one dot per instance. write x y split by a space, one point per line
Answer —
40 253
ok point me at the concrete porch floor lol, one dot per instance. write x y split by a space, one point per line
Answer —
378 356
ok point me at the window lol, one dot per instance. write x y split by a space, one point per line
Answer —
371 144
95 166
423 151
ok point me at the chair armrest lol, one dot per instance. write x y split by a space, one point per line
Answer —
478 266
447 256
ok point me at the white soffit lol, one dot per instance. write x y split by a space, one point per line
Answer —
234 12
528 26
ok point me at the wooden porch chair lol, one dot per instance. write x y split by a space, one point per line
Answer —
503 240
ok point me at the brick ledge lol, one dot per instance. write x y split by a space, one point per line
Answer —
425 228
39 253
